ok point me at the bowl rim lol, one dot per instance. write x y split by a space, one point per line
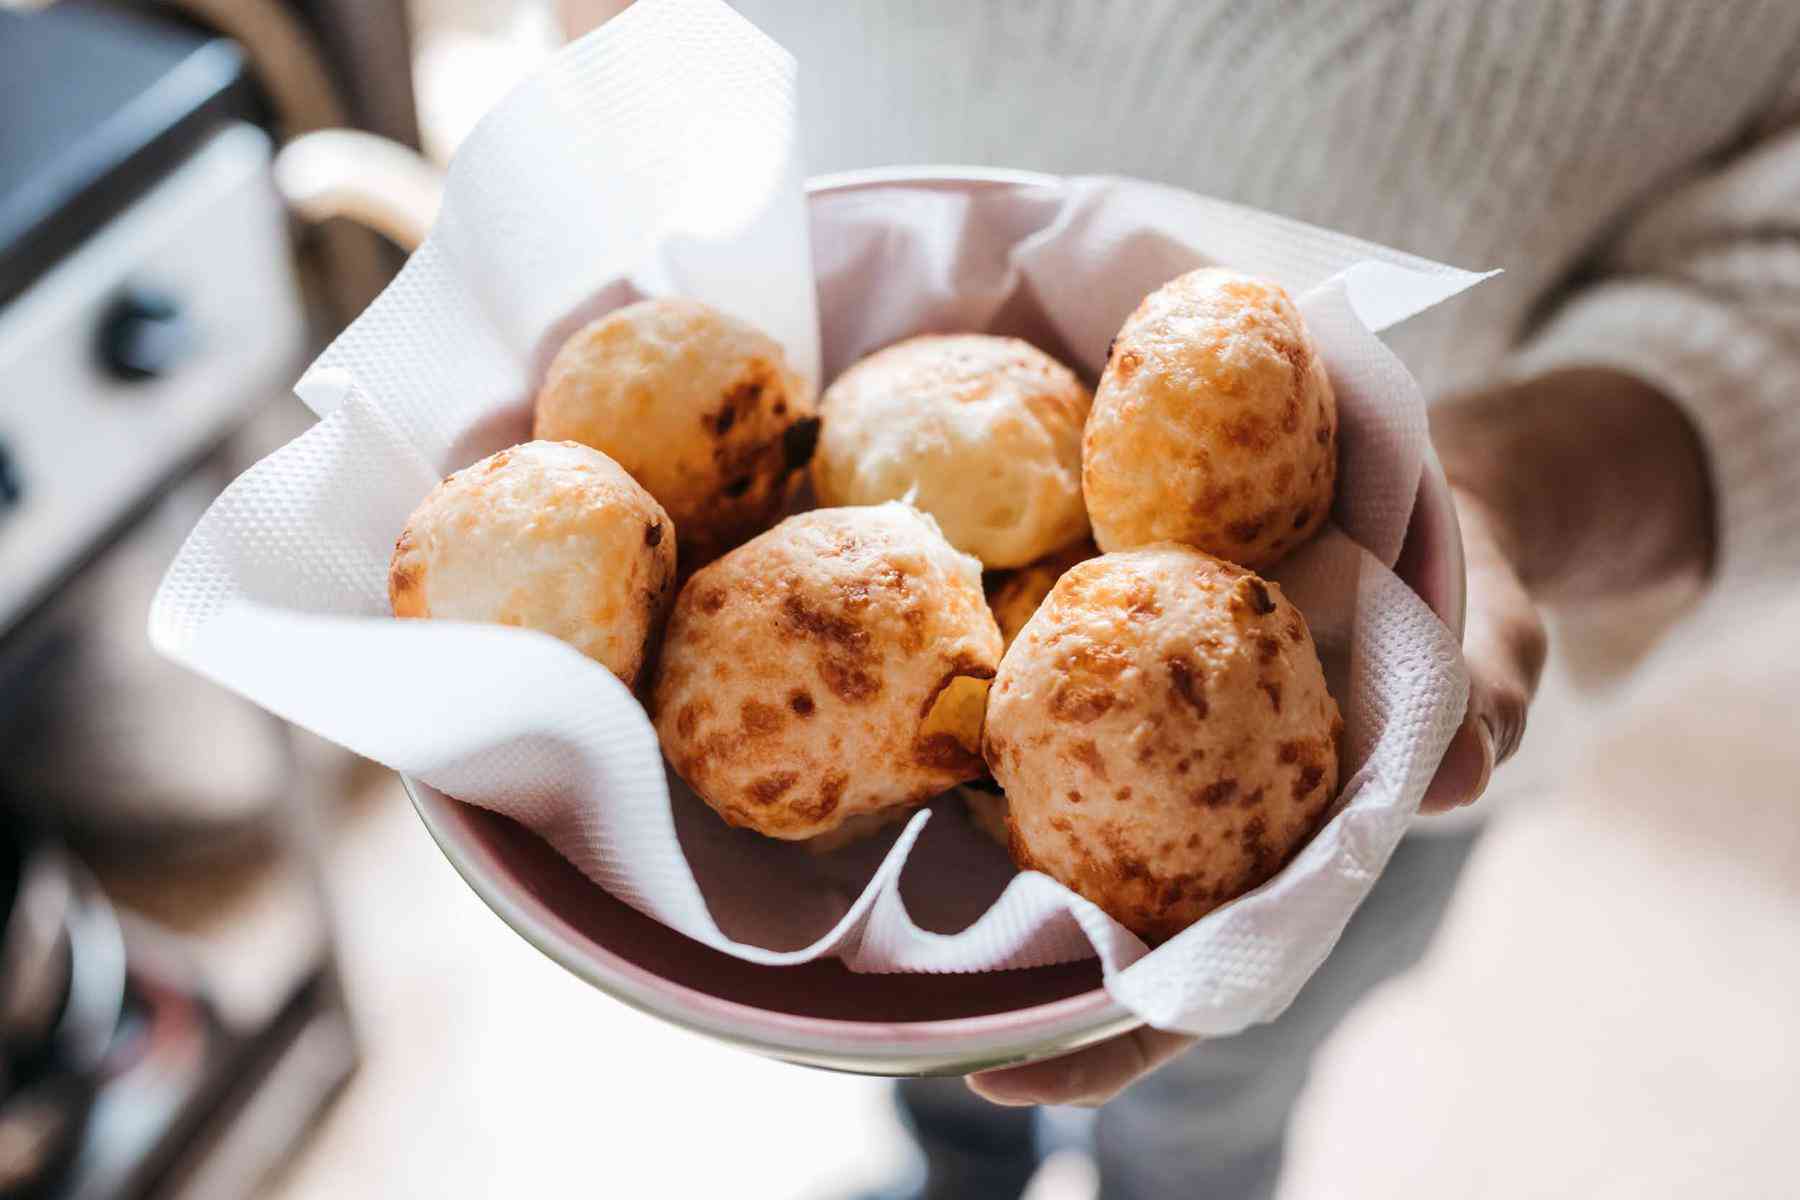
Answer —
950 1046
955 1045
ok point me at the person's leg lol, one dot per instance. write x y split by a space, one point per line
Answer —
1212 1123
970 1147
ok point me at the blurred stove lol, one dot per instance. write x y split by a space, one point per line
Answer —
146 293
148 310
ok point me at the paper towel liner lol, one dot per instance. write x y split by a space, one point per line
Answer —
657 156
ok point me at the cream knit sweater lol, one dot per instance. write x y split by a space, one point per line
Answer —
1634 165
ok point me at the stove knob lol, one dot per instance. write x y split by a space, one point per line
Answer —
11 492
143 334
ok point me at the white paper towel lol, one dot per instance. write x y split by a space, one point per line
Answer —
656 156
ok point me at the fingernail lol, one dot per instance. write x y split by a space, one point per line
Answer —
998 1095
1484 729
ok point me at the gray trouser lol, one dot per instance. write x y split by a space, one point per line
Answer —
1211 1124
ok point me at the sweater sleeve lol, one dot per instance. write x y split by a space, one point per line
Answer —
1700 298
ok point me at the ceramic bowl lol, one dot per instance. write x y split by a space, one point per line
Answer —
822 1014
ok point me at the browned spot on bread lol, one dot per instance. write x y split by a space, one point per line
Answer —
1140 603
799 442
1255 595
1095 658
653 533
844 543
1268 649
1074 798
831 789
687 720
1253 837
1124 793
1127 364
1302 517
848 681
1186 682
742 398
1212 497
799 617
1272 690
942 752
1296 631
1216 794
1251 799
1323 437
1250 431
499 460
1290 751
1310 776
759 719
403 579
1245 531
813 811
1184 765
912 636
712 600
801 701
771 788
1078 704
1088 755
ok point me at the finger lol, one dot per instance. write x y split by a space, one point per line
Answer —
1504 646
1467 766
1087 1077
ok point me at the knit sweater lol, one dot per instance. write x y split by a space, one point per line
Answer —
1634 165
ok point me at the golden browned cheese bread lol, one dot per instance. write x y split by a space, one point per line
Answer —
700 407
835 666
983 433
1015 595
551 536
1214 424
1163 733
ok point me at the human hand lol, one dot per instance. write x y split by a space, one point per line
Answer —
1579 484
